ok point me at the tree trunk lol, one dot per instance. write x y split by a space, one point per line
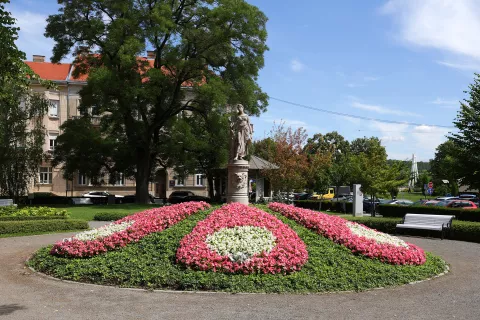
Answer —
142 177
211 193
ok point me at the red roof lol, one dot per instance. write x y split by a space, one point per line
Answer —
50 71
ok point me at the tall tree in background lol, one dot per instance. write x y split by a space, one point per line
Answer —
214 47
466 141
288 155
22 134
445 166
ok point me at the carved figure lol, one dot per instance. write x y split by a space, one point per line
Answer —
241 180
241 134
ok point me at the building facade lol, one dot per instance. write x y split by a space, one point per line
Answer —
64 103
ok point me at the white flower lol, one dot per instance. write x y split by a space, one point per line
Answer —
379 237
101 232
241 243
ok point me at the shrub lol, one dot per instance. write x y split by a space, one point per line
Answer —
38 226
24 218
400 211
324 205
110 216
13 211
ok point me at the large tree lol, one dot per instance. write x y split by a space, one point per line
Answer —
466 141
445 166
22 134
212 47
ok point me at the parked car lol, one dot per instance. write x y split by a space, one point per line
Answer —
100 194
431 202
464 204
185 196
401 202
467 196
420 202
302 196
446 198
131 198
345 198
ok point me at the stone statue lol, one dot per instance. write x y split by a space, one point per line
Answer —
241 134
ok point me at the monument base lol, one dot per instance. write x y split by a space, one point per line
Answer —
238 182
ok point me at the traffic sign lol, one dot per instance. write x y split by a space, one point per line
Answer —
430 185
430 191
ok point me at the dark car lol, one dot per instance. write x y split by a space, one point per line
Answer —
131 198
185 196
301 196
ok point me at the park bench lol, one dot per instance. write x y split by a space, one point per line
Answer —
6 202
427 222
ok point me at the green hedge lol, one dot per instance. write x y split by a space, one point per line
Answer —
39 226
461 230
400 211
22 218
14 211
324 205
110 216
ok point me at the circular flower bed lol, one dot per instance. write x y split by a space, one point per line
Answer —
129 229
356 237
213 243
241 243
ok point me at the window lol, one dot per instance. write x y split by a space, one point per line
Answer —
53 108
53 141
180 181
82 179
120 180
199 180
45 175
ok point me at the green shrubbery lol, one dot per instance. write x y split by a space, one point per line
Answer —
23 218
40 226
400 211
110 216
13 211
324 205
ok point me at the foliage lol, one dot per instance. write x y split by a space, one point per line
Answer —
19 218
464 151
264 148
40 226
88 212
150 264
445 166
22 133
14 211
288 155
199 144
400 211
110 216
215 48
324 205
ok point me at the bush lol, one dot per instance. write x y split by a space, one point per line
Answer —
400 211
110 216
13 211
324 205
461 230
39 226
23 218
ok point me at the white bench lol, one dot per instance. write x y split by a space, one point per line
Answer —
6 202
427 222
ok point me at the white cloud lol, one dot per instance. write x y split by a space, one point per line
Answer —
369 78
355 85
295 124
387 139
382 110
31 39
296 65
446 104
451 26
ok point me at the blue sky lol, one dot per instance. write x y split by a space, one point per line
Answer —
402 60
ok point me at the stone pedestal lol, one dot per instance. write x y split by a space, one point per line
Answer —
357 201
238 181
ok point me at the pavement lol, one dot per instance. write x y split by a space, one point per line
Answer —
28 295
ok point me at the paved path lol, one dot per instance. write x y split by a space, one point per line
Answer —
26 295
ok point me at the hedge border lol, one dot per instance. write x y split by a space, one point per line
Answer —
323 205
25 218
400 211
110 216
32 226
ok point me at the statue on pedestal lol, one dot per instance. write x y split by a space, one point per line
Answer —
241 134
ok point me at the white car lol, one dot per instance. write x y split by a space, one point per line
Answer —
99 194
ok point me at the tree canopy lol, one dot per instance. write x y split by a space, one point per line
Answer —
207 54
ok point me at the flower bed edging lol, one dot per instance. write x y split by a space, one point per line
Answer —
337 230
288 255
140 225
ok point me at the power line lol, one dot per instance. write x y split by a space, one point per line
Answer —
412 132
360 117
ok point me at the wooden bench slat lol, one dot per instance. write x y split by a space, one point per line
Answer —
426 222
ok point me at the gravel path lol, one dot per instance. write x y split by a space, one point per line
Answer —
26 295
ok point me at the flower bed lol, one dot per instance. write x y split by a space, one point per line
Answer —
129 229
356 237
212 245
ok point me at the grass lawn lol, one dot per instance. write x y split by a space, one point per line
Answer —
88 212
413 196
151 263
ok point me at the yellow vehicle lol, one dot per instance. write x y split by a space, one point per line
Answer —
327 196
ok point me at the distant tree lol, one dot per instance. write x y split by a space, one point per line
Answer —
446 166
22 133
288 155
263 148
215 47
